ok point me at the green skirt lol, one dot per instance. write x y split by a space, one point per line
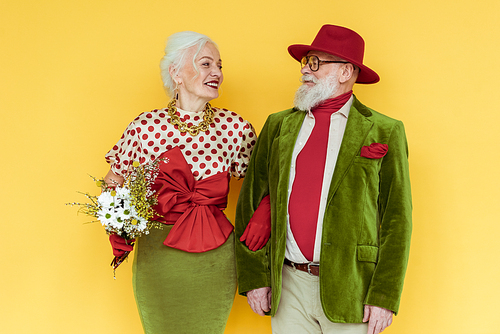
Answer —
179 292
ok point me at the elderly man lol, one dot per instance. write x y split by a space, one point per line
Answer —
335 174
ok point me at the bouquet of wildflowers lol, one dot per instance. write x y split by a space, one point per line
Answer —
125 210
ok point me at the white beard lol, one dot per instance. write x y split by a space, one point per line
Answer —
307 98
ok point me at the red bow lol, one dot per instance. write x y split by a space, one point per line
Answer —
193 207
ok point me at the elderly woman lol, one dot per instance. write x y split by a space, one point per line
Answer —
184 275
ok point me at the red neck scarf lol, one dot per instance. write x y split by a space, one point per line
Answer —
303 206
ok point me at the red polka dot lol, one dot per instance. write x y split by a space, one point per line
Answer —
189 139
134 144
229 119
138 130
224 126
195 159
170 134
157 135
207 145
213 138
195 146
145 151
217 120
202 165
144 122
208 172
230 133
224 140
182 146
176 140
190 166
142 160
214 151
169 147
151 128
235 140
162 115
202 139
196 173
156 149
129 154
151 143
163 141
149 115
250 135
132 132
157 121
215 165
219 146
230 147
196 118
221 114
115 147
163 127
152 157
237 148
218 133
201 152
224 153
220 159
188 153
236 125
241 119
208 158
144 136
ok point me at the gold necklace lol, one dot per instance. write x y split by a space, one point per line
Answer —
208 118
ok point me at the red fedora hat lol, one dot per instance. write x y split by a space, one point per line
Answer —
341 42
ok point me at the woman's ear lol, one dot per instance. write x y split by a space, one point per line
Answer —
173 73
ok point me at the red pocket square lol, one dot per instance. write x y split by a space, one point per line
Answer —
374 151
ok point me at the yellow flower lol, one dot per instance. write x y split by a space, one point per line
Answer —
99 184
136 164
113 193
134 221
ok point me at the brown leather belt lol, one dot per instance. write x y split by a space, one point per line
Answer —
311 268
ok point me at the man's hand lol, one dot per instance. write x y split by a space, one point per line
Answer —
379 318
260 300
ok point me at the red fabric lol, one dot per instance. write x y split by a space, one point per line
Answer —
193 207
258 229
120 245
374 151
304 201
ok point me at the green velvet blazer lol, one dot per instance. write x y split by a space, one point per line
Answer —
367 224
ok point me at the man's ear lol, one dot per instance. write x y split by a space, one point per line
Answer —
346 73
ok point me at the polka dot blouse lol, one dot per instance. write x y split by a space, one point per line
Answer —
226 146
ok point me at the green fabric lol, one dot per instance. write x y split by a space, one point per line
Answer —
183 293
367 224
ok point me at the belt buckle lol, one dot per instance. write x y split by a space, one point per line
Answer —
309 268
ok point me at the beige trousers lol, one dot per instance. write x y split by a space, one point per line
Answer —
300 310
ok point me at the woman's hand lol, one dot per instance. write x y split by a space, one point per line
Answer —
113 180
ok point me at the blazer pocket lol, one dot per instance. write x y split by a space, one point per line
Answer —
366 161
367 253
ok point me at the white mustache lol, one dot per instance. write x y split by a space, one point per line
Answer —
311 78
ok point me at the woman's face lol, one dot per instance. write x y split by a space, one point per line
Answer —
199 88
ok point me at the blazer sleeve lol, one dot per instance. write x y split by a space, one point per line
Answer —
253 267
395 214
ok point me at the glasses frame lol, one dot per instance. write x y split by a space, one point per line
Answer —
306 60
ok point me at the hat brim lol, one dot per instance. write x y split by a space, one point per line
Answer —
366 75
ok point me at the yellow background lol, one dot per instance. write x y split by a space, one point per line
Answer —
73 74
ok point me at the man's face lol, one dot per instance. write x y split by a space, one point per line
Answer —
317 86
325 69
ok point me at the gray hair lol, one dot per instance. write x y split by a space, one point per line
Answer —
175 54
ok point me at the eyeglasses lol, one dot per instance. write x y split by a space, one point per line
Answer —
314 62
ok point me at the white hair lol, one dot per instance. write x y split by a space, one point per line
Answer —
175 54
307 98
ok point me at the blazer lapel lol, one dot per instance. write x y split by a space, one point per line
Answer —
356 130
289 131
